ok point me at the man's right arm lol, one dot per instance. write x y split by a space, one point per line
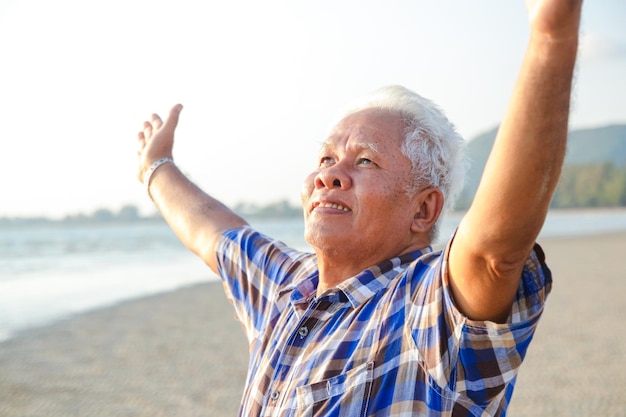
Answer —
195 217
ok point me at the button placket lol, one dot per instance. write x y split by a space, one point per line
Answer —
276 399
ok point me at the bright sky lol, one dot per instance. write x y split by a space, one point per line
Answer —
260 82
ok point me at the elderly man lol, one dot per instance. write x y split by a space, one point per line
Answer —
376 323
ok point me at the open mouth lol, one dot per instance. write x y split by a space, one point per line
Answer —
330 205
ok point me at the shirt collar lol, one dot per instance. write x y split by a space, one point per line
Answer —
368 283
362 286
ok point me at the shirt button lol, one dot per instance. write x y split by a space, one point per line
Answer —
275 395
303 332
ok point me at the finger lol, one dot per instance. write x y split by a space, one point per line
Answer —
141 141
172 118
147 130
156 121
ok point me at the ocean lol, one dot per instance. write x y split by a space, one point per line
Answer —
51 272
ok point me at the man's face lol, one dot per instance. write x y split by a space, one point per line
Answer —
355 201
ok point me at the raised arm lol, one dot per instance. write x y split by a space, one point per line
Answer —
195 217
499 230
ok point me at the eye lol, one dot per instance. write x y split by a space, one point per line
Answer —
365 161
326 160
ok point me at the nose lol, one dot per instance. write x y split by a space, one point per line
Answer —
333 177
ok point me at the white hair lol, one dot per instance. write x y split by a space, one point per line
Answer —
431 143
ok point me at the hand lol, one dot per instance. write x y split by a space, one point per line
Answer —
555 19
156 140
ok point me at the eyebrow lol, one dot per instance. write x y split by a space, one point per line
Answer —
328 145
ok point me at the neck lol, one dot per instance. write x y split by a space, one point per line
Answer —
333 272
335 267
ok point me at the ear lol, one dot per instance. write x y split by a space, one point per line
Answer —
429 203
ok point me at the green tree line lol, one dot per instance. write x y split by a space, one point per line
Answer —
597 185
130 213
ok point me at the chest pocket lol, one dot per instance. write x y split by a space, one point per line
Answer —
345 394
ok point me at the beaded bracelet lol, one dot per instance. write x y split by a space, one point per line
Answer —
148 175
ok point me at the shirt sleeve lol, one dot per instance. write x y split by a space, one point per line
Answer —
475 360
490 354
254 268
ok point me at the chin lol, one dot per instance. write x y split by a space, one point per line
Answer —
324 237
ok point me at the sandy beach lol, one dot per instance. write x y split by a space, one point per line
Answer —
183 354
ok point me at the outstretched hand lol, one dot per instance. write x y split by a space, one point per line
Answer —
156 139
556 19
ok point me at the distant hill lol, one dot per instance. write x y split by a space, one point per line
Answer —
594 173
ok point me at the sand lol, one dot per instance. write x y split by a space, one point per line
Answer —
183 354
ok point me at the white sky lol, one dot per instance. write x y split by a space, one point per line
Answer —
260 82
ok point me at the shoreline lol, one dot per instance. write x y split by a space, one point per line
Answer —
182 352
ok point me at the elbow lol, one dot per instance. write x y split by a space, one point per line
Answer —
507 267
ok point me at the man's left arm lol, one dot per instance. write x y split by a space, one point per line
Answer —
498 232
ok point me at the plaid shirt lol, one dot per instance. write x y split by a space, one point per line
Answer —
386 342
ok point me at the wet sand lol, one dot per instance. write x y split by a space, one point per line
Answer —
183 354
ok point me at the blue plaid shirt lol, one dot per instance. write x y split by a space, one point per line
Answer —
386 342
